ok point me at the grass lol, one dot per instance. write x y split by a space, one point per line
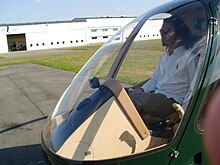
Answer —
72 62
86 47
139 64
14 62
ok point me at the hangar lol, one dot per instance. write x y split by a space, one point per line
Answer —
58 34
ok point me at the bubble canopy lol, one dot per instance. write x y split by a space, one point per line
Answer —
129 57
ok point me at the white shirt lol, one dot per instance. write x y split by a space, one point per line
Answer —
173 74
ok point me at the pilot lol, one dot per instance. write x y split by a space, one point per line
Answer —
171 79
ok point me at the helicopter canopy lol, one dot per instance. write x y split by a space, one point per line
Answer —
129 57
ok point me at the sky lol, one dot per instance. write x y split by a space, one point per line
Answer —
23 11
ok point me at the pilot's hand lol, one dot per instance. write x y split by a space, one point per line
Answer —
135 90
172 119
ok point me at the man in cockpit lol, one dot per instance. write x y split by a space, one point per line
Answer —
171 79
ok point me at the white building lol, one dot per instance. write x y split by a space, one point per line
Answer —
46 35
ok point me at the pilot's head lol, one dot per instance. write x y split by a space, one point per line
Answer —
168 33
174 31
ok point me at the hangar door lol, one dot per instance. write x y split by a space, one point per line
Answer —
16 42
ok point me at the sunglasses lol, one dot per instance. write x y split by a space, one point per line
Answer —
165 31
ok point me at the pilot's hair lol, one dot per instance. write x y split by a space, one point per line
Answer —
182 30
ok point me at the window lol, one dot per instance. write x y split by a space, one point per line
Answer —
115 29
105 37
94 38
214 83
209 93
51 43
37 44
31 45
104 30
93 30
43 44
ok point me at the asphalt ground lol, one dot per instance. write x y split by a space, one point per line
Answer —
28 93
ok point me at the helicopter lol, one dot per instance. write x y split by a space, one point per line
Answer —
95 121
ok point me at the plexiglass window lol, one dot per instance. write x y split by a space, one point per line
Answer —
212 85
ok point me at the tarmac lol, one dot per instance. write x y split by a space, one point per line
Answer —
28 94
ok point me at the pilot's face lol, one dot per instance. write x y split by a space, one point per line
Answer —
168 35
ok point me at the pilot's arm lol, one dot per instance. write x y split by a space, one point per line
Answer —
192 73
151 84
191 67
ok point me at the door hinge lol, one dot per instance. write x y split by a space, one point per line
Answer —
174 154
213 21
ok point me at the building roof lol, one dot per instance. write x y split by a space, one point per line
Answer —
62 21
